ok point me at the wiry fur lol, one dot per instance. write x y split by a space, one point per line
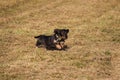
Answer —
53 42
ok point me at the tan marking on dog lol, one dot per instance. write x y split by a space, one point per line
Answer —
58 46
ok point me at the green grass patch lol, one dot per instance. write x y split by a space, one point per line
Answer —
79 64
107 53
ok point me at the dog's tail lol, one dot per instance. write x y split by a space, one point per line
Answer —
36 36
40 36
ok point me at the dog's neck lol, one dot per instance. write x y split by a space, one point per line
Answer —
56 39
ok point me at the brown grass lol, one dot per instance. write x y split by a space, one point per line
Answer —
94 39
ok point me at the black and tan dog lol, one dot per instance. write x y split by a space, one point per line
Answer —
55 41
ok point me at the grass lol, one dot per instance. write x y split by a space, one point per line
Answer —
94 40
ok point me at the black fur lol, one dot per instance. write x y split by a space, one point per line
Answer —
46 41
50 42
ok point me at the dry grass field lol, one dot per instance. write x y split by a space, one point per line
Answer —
94 39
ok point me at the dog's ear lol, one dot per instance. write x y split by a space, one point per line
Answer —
56 31
67 30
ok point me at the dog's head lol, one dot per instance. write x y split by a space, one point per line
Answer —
61 34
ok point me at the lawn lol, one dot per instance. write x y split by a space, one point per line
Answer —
94 39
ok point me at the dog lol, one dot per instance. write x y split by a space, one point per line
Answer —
53 42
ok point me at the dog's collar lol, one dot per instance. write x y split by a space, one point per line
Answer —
56 39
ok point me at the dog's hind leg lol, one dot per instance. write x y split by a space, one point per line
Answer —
38 43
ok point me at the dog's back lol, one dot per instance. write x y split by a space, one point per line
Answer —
40 36
44 40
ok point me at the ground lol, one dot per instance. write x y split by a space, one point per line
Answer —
94 39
